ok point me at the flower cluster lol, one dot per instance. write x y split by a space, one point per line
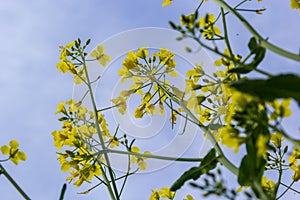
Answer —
84 140
76 138
147 75
73 51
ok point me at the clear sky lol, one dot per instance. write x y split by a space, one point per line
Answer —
31 86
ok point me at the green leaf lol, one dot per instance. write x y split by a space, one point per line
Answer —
259 53
281 86
251 168
208 163
173 25
252 44
245 69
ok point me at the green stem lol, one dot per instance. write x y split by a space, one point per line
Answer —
279 175
63 191
289 187
264 42
113 195
263 72
226 38
151 156
13 182
223 159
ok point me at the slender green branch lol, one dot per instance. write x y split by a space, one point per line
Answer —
280 171
289 187
126 176
13 182
150 156
263 72
226 37
114 195
62 193
264 42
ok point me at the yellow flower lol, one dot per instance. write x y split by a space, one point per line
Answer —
196 73
296 175
166 193
166 57
103 124
121 103
209 29
66 66
64 52
173 117
61 108
222 110
15 155
282 109
189 197
230 138
276 139
124 73
131 61
293 159
194 102
166 3
139 111
295 4
142 53
142 165
99 55
150 108
268 185
113 142
188 20
205 115
154 195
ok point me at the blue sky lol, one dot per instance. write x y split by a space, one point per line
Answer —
31 86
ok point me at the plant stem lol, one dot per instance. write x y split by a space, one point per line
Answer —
151 156
113 194
279 175
226 38
289 187
264 42
13 182
62 193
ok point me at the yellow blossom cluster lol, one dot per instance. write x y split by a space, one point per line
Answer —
78 129
147 74
72 51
